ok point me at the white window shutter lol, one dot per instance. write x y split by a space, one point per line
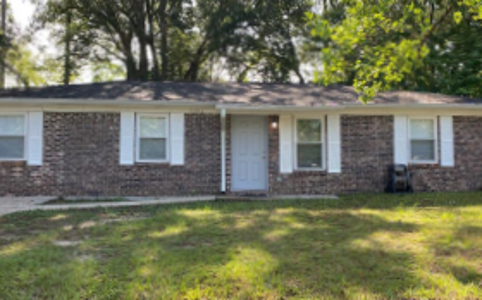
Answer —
400 146
177 139
35 138
334 144
447 141
286 144
127 137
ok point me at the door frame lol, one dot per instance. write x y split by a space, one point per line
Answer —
265 144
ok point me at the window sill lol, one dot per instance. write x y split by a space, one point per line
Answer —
13 163
310 170
423 162
155 162
13 160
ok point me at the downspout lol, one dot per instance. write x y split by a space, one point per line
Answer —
223 151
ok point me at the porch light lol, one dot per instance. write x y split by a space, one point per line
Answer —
274 124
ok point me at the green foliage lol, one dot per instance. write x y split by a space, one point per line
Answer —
107 71
180 39
23 65
381 45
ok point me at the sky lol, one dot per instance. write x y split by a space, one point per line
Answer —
22 11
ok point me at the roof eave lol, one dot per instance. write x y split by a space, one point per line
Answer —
103 102
247 107
228 106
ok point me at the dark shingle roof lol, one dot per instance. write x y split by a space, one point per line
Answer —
227 93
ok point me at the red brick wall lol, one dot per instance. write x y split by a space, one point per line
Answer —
467 173
367 151
81 158
366 154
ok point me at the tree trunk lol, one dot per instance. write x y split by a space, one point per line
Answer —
131 69
300 77
152 45
129 60
143 62
67 52
4 47
164 46
192 72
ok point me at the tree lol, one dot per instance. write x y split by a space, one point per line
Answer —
182 39
71 33
21 63
380 45
4 44
107 71
16 61
258 39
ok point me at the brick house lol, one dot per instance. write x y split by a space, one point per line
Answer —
160 139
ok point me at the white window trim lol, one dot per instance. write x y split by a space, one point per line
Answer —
138 136
323 144
435 132
25 134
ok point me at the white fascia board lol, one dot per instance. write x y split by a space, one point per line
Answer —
247 107
415 105
354 109
345 106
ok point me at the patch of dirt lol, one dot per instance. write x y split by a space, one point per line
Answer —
67 243
87 224
84 258
68 227
8 239
126 219
191 245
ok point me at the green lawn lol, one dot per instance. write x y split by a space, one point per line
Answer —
364 246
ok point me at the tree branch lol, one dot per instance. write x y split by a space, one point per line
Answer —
434 27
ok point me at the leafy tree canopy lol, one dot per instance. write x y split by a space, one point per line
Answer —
381 45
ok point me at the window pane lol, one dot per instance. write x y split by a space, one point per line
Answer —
12 147
309 130
12 125
309 156
153 127
423 150
422 129
152 149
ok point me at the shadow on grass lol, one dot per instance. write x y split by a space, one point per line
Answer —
390 201
311 249
211 253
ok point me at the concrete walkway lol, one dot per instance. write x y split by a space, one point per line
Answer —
10 205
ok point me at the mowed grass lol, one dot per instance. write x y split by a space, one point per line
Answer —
363 246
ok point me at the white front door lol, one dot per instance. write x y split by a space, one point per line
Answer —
249 153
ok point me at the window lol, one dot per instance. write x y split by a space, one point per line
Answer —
423 139
309 144
12 137
152 138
